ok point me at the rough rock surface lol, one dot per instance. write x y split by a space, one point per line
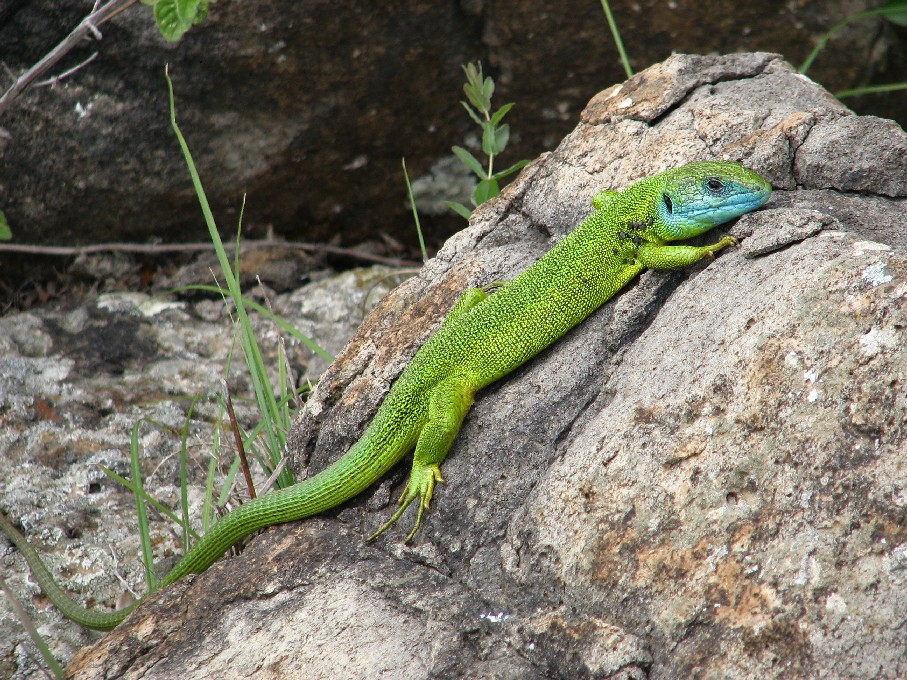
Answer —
73 382
704 479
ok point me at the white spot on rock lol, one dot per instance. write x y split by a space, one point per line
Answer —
878 340
835 603
875 274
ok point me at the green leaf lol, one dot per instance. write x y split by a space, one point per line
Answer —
871 89
473 86
187 9
472 113
5 232
487 188
516 167
488 92
201 15
489 145
469 161
895 11
473 73
168 20
459 208
500 113
476 87
501 135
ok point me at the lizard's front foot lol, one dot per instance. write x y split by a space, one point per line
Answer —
421 485
710 250
725 242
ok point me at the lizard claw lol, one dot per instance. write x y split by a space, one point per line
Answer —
421 485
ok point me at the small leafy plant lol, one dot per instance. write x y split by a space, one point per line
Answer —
175 17
495 135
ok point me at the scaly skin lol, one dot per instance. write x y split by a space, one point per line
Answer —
483 338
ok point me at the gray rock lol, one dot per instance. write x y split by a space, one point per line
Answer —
74 381
704 479
835 155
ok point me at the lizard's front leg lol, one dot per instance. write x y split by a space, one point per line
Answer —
470 298
657 256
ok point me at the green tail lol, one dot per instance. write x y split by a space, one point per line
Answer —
384 443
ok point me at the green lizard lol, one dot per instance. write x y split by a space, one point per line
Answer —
483 338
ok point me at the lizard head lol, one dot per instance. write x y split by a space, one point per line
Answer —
698 196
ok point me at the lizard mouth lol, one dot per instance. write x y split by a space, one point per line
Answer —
729 206
691 218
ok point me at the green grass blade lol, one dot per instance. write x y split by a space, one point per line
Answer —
264 394
823 41
283 386
615 33
276 318
412 204
228 482
871 89
33 633
163 509
141 514
184 473
208 510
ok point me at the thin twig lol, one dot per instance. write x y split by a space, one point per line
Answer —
237 436
68 72
202 246
118 575
270 481
291 375
99 15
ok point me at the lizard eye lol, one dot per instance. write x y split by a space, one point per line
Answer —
714 184
668 204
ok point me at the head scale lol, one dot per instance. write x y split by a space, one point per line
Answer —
698 196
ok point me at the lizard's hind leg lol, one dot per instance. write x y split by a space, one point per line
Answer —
449 403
